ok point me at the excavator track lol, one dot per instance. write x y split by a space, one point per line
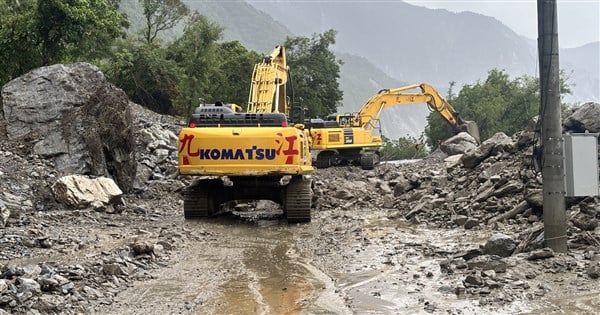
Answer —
197 203
368 161
323 160
297 203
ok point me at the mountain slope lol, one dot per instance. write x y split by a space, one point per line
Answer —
582 65
255 29
412 43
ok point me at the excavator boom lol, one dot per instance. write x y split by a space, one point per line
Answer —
267 89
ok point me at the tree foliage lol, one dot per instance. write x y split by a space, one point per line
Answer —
402 149
162 15
70 30
35 33
314 72
146 76
196 53
497 104
19 43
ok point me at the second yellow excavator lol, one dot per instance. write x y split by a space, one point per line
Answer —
349 138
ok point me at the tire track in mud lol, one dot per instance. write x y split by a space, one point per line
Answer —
239 268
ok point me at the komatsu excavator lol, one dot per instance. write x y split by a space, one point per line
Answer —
349 138
252 155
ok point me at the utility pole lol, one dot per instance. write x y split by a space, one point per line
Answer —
552 154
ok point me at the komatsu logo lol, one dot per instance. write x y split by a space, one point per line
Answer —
251 153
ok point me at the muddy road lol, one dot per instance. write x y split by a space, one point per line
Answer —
355 257
346 261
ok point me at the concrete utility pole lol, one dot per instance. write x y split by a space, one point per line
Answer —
555 231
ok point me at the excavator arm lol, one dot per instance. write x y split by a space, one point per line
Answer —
368 116
267 89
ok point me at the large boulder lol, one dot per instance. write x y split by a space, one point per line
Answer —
499 244
584 118
458 144
78 191
72 115
499 142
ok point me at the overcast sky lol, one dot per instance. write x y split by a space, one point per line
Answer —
578 20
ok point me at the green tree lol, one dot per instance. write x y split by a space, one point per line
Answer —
314 72
498 104
72 30
235 67
19 48
404 148
162 15
196 52
147 77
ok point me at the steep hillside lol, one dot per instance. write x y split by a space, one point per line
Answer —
412 43
582 65
255 29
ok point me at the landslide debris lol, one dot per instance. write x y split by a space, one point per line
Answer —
76 258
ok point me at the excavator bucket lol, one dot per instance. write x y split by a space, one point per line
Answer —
471 128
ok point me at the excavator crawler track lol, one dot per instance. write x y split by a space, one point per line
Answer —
368 161
197 203
297 203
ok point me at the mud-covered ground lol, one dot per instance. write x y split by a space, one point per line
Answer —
351 259
401 239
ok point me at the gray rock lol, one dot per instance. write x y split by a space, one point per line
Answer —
49 303
114 270
29 285
460 219
510 188
80 191
535 198
585 222
473 280
404 185
343 194
142 248
458 144
161 155
499 244
487 262
500 142
31 271
4 214
593 270
541 254
471 223
585 118
3 285
72 115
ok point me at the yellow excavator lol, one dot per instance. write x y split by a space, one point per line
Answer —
349 138
252 155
